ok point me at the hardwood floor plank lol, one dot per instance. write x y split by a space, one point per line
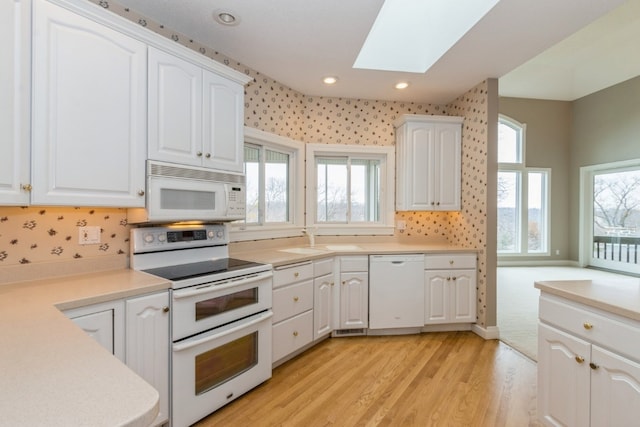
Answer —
433 379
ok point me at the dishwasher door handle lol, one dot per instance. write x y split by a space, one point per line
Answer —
397 262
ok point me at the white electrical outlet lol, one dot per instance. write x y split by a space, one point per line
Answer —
401 224
89 235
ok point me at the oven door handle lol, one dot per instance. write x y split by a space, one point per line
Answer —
203 289
190 344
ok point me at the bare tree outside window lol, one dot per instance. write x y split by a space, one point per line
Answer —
616 203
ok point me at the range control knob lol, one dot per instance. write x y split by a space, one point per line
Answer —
162 238
220 234
211 234
148 238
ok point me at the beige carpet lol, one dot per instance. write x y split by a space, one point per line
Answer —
517 301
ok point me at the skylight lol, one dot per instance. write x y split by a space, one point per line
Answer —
411 35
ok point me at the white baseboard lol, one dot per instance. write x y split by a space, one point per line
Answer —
447 327
488 333
541 263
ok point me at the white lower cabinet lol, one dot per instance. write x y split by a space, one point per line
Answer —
136 331
588 366
103 322
292 309
147 344
450 289
292 334
323 297
353 311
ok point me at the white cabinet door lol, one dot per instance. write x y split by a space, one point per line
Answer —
195 115
322 305
447 167
147 344
436 297
450 296
354 300
14 102
88 112
104 322
223 124
98 326
418 167
429 156
563 378
615 389
175 109
463 296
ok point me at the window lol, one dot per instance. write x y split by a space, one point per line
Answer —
268 184
523 196
350 189
275 191
611 216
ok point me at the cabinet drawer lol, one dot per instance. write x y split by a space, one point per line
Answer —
354 263
607 330
322 267
292 334
291 300
292 273
440 261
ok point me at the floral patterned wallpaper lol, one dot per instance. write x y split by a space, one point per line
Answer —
273 107
36 234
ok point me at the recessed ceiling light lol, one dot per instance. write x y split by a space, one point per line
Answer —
330 80
402 85
225 17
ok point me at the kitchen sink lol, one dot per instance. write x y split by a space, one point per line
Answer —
343 247
303 251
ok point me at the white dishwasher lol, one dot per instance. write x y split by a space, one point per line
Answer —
396 291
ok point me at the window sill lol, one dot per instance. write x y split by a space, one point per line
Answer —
237 234
353 230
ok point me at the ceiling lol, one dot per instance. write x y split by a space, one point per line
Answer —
298 42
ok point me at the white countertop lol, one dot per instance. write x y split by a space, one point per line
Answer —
617 296
277 256
51 372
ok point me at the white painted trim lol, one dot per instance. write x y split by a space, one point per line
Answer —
243 232
540 263
447 327
586 216
488 333
387 221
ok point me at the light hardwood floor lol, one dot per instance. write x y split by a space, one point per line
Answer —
434 379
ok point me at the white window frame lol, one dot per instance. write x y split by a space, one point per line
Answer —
292 228
585 250
386 155
523 196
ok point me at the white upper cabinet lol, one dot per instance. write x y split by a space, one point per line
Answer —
175 109
89 111
14 102
223 123
429 163
195 115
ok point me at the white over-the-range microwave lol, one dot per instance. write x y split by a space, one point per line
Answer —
188 193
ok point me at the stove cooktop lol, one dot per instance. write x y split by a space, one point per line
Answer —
202 268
